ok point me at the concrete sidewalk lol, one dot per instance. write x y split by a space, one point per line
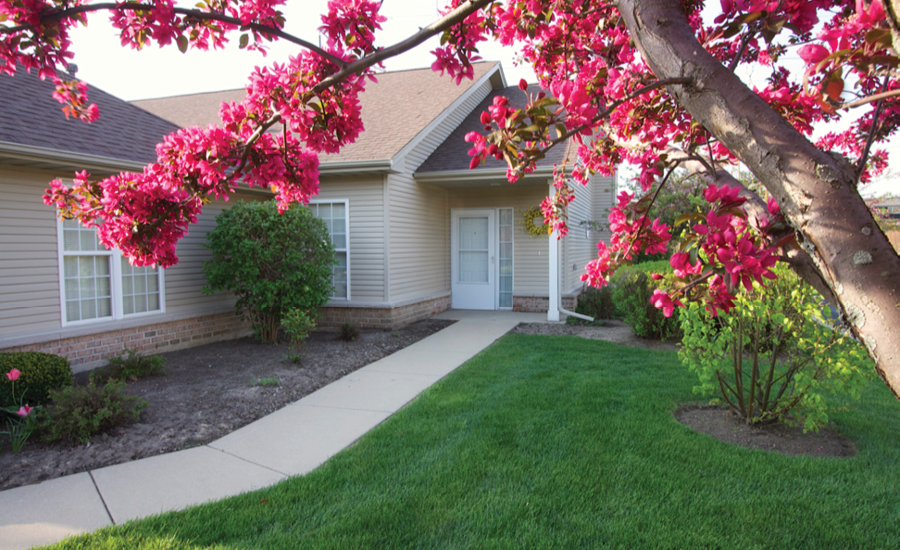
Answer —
289 442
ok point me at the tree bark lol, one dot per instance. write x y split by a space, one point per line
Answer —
815 189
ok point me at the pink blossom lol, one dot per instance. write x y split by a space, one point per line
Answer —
661 300
13 375
24 410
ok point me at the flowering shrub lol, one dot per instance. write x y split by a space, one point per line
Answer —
774 354
20 422
272 262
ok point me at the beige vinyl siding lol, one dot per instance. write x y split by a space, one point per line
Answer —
29 268
578 243
530 269
420 239
184 281
419 216
366 204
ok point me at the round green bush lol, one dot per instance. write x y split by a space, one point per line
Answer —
272 262
41 374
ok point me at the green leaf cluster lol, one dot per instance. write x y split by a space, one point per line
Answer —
272 262
777 353
41 374
298 324
632 288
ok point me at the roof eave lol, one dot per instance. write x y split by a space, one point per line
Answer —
376 166
482 178
53 159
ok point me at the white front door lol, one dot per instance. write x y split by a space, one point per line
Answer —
472 260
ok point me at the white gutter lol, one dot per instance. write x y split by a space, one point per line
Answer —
379 165
478 174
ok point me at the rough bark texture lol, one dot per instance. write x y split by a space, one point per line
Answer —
816 190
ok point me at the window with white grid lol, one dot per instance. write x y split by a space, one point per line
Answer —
99 284
335 216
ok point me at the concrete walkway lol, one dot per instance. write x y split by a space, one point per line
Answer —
289 442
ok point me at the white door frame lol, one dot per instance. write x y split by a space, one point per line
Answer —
474 295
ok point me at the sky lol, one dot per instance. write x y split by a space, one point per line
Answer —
154 72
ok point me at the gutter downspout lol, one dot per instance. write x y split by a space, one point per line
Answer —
555 302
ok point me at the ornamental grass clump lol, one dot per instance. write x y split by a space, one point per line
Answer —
272 262
775 356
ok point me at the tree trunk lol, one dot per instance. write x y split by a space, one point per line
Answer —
816 190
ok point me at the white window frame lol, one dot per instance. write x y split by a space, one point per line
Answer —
346 249
115 283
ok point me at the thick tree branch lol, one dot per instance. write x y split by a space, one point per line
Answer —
816 190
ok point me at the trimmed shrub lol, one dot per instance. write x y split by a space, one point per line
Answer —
41 374
775 353
596 303
79 413
632 288
272 262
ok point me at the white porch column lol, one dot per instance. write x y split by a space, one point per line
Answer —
553 261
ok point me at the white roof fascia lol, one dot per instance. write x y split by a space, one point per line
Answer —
420 137
38 154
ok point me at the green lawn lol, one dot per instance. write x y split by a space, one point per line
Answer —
544 442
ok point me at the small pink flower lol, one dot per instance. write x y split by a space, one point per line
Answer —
24 410
661 300
13 375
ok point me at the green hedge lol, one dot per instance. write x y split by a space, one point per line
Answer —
41 374
632 288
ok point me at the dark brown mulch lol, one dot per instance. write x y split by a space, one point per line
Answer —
724 425
207 392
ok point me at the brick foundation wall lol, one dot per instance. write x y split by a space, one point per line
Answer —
383 318
149 338
540 304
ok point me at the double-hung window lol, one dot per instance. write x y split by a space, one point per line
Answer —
100 284
335 214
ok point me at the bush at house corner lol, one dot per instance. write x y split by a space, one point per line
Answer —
272 262
40 373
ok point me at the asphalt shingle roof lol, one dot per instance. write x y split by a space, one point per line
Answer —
32 117
394 110
453 154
